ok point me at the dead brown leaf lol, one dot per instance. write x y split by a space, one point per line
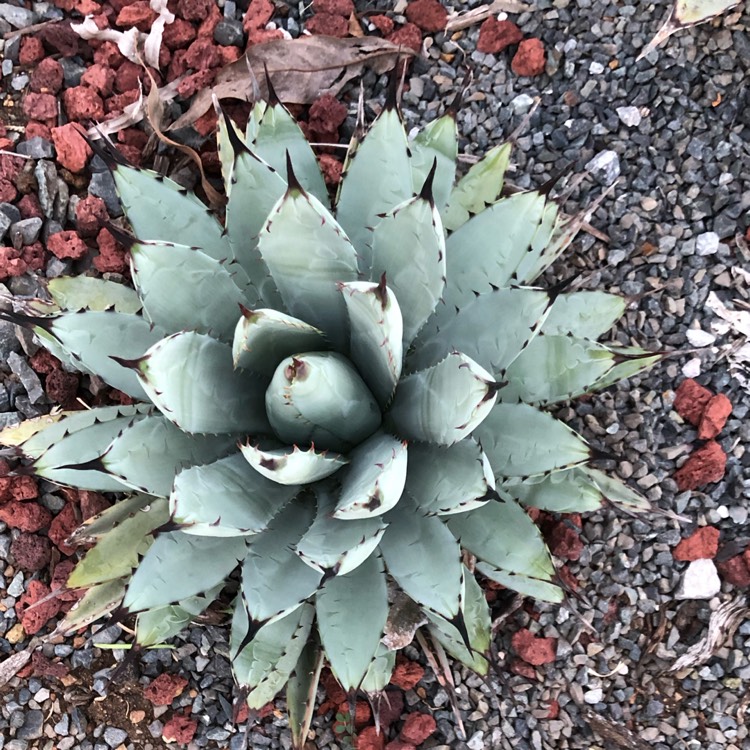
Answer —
301 70
466 18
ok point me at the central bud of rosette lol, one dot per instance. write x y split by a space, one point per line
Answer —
320 398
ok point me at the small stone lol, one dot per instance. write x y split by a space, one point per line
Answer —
699 338
40 106
47 77
700 581
72 150
417 728
46 177
83 103
736 570
102 185
529 59
114 737
532 650
605 167
32 727
630 116
29 379
37 148
521 104
229 33
714 417
26 231
31 552
596 68
67 244
17 17
707 243
5 223
701 544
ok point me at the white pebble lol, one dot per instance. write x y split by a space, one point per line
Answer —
521 104
596 68
593 696
697 337
701 581
707 243
692 368
630 116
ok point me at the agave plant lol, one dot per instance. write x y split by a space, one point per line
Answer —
345 404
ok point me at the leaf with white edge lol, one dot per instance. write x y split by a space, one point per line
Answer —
516 315
224 146
617 492
485 252
301 692
546 245
377 178
274 579
586 315
449 479
380 671
437 141
226 498
424 559
292 465
408 246
97 526
190 378
374 481
75 293
278 137
630 362
569 491
307 254
478 189
148 455
51 429
183 288
335 546
264 665
179 565
60 462
170 214
444 403
521 441
264 337
542 590
351 610
116 554
16 435
376 332
555 368
478 624
501 534
93 338
97 602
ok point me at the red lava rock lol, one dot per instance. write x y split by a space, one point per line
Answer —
362 713
25 516
407 674
138 14
408 35
194 10
47 77
8 193
705 466
100 78
532 650
529 59
109 55
31 552
111 256
230 54
568 578
195 82
34 619
117 103
72 150
331 168
203 54
11 262
521 668
59 37
206 123
18 488
178 34
180 729
495 36
690 400
326 114
83 103
334 692
91 213
210 22
327 24
336 7
128 77
67 244
43 362
429 15
33 256
92 503
32 50
702 544
40 106
37 128
165 688
29 206
565 541
261 36
736 570
87 7
258 14
554 710
417 728
62 526
391 707
382 23
60 580
369 739
399 745
41 666
714 417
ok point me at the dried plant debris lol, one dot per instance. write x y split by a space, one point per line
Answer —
683 15
735 324
724 621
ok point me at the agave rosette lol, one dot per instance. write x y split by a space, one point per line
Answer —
340 403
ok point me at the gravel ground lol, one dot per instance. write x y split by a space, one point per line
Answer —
676 128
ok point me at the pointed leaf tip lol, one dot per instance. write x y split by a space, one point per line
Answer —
238 145
291 178
455 105
131 364
273 97
426 192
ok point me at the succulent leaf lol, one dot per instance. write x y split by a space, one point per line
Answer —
586 315
568 491
292 466
444 403
526 585
618 492
97 602
437 141
301 692
378 675
74 293
226 498
97 526
547 245
351 610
